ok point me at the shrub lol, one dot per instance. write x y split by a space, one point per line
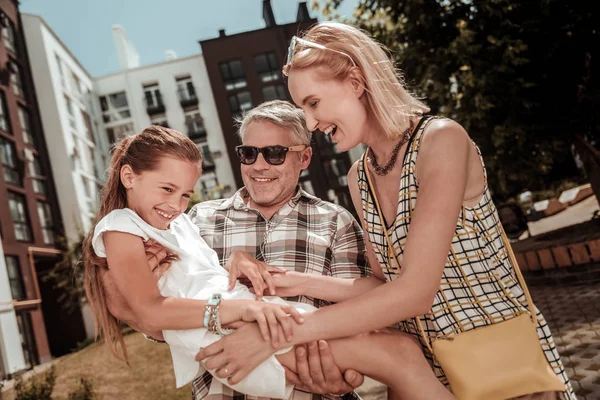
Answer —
36 388
85 391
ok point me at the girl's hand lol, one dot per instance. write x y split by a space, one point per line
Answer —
291 283
270 317
241 264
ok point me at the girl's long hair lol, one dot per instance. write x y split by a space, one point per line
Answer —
387 100
142 152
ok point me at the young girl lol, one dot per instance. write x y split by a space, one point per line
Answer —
421 193
152 177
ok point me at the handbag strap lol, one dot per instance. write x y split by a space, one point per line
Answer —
507 245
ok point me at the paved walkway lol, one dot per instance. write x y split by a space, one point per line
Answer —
573 313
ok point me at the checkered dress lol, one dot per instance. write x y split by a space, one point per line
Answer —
478 285
307 235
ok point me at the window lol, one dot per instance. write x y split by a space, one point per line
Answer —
38 180
15 278
71 112
76 154
115 107
267 67
152 97
8 34
195 124
8 157
233 75
45 216
240 102
27 339
25 125
274 93
4 124
87 124
15 79
18 210
63 81
86 187
118 132
89 157
75 85
186 91
210 187
207 159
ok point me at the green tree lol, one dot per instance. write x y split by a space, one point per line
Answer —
67 275
518 75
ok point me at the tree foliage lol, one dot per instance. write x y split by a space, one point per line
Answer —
520 76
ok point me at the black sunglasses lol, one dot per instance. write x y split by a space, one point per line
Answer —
274 155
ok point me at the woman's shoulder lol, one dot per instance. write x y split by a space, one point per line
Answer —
441 132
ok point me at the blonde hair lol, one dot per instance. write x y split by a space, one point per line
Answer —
142 152
281 113
387 100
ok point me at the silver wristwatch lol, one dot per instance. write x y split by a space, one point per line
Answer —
212 321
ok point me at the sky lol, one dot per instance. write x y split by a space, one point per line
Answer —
153 26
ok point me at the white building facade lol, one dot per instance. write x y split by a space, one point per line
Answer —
175 93
78 148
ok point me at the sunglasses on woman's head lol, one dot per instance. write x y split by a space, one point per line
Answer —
274 155
303 42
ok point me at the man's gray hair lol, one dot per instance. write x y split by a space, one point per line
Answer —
281 113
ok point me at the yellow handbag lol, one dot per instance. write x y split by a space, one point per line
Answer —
494 362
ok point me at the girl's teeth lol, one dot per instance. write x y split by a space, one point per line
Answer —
163 214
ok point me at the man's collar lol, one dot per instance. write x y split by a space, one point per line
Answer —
239 200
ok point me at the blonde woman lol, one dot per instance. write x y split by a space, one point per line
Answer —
421 175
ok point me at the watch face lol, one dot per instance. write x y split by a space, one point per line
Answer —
214 300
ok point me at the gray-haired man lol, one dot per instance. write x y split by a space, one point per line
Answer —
271 219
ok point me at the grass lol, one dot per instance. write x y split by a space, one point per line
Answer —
149 377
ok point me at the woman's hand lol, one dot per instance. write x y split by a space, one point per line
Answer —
241 264
270 318
237 354
291 283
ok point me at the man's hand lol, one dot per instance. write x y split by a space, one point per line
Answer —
234 356
156 254
242 264
318 372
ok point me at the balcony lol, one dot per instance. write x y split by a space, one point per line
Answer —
208 166
154 104
196 130
187 96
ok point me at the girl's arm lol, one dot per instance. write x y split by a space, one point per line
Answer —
152 312
133 279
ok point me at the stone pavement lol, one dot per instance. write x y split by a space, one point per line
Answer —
573 313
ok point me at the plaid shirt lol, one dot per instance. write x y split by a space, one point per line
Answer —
307 235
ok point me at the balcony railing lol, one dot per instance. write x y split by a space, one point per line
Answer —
187 96
154 104
196 131
208 165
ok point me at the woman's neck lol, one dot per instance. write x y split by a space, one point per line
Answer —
383 146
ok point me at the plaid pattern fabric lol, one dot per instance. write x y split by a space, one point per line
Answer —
478 287
307 235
